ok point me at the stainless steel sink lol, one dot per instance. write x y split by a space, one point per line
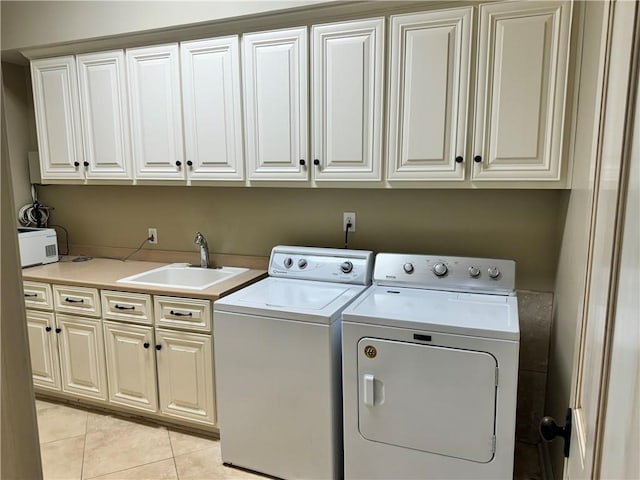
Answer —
182 275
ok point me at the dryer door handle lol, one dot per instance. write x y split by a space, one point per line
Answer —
367 388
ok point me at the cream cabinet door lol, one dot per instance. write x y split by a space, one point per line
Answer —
275 98
185 375
156 112
521 89
82 361
212 113
429 94
131 365
43 348
102 86
347 90
55 97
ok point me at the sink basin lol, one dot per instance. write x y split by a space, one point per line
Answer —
181 275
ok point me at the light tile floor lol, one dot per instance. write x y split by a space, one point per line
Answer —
81 444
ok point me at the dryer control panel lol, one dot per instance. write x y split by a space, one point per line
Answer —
322 264
464 274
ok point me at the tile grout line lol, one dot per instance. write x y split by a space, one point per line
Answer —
173 455
84 446
128 468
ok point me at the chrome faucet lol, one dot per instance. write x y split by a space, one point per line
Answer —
204 249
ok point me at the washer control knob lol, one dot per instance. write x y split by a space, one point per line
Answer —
474 272
440 269
408 267
288 262
493 272
346 267
302 263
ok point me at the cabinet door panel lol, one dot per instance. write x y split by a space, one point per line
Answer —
43 348
82 357
156 112
212 114
131 368
429 91
103 104
55 95
275 89
521 87
185 376
347 86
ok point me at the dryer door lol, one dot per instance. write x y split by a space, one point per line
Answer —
434 399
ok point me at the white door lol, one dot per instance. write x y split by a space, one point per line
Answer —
520 90
185 375
212 114
43 348
347 90
156 112
102 86
131 365
275 77
55 97
595 345
429 93
82 356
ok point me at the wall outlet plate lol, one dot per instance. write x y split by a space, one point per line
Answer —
349 217
153 236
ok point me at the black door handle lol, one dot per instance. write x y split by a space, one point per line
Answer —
48 329
459 159
158 347
302 162
180 314
316 161
58 330
121 307
477 159
145 344
549 430
74 300
30 294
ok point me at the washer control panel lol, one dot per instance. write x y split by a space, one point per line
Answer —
466 274
322 264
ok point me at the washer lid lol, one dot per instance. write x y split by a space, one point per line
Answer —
473 314
304 300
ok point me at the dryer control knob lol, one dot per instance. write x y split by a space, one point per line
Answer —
408 267
493 272
288 262
474 272
440 269
302 263
346 267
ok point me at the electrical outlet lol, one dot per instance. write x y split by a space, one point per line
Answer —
349 217
153 236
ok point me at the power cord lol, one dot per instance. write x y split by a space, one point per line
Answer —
139 248
346 235
66 236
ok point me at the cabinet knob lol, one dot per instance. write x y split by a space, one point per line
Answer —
459 159
477 159
189 163
48 329
178 163
316 162
58 330
302 162
86 164
158 347
146 345
76 164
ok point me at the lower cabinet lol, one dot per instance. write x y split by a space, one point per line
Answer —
131 365
185 375
67 354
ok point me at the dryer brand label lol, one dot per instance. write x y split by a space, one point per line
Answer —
370 351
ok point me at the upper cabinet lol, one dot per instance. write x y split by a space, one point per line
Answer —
477 97
347 89
275 96
428 95
55 95
211 106
521 90
102 85
156 112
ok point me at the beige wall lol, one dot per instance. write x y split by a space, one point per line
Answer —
517 224
29 24
20 128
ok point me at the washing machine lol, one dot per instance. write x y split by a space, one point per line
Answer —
278 363
430 369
